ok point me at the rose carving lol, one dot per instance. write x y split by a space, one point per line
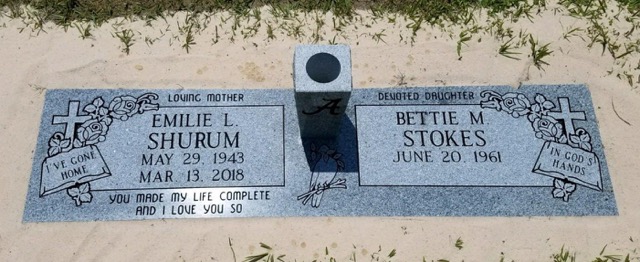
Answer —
515 104
547 128
92 132
123 107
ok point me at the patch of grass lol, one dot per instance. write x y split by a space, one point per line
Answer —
15 9
99 11
400 79
564 256
573 32
84 29
610 258
459 243
463 38
319 23
506 50
498 29
126 38
379 37
188 39
266 256
539 52
38 19
380 255
384 255
310 21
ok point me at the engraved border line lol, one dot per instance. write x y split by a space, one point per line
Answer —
471 186
282 107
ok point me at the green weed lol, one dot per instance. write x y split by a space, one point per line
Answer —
380 255
188 39
267 256
379 37
400 79
610 258
506 50
459 243
464 37
126 37
84 30
538 53
564 256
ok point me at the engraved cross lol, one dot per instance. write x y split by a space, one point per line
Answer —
70 120
567 116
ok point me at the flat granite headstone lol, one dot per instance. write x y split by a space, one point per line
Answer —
430 151
322 150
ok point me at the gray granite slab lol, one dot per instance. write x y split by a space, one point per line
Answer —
429 151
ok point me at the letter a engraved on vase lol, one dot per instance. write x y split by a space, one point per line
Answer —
332 105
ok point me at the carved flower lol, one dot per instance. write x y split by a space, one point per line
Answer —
92 131
582 139
540 108
515 104
97 110
547 128
563 189
81 193
123 107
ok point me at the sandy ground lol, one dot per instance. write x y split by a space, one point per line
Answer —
58 59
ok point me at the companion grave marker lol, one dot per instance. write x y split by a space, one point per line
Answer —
321 150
